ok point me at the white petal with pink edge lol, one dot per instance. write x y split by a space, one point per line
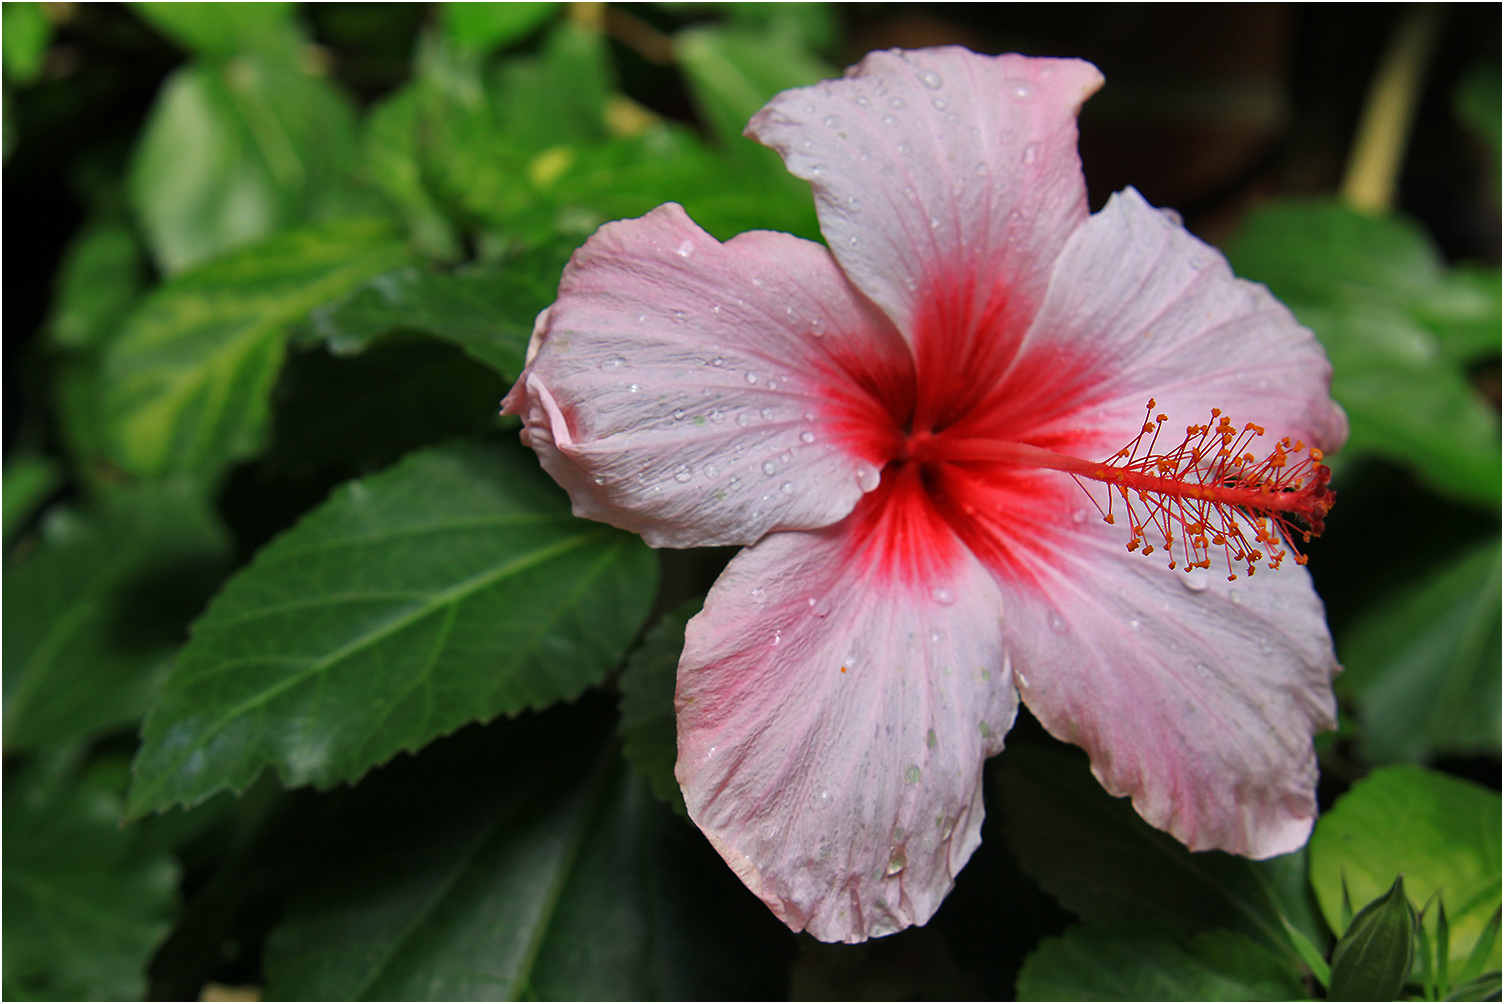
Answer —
935 160
1196 696
1147 310
682 388
832 729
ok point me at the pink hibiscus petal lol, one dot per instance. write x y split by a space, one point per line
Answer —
1196 696
942 179
696 392
833 719
1138 308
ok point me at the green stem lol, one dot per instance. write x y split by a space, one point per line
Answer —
1383 131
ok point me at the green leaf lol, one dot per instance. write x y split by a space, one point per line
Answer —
733 71
1439 832
509 863
222 29
23 43
452 588
557 97
1104 863
647 727
1479 988
1478 105
185 385
1422 667
85 901
487 26
487 310
393 137
30 478
1396 325
1093 962
234 152
102 274
1373 957
96 608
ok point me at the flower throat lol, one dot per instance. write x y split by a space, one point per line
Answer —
1210 491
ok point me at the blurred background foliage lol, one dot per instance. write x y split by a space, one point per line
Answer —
272 266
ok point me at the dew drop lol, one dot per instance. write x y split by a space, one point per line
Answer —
931 79
743 420
718 416
1136 624
712 471
759 595
853 242
891 121
679 316
1058 624
1080 516
634 388
751 377
678 414
683 474
787 487
868 477
863 100
1022 90
1196 580
767 414
806 437
785 456
943 596
1023 681
832 122
897 104
853 204
1234 596
685 249
936 636
718 361
768 467
934 223
817 326
1031 153
600 479
613 363
897 859
980 170
939 104
820 606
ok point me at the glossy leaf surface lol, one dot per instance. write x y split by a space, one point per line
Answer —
454 587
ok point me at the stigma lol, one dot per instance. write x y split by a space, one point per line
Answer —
1212 496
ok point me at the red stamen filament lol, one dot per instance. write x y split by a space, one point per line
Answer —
1209 491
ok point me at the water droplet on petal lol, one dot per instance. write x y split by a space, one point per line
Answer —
1234 596
759 595
853 242
891 121
820 606
832 121
600 479
943 596
931 79
685 249
1031 153
718 416
767 414
634 388
1023 681
787 487
613 363
939 104
1058 624
751 377
718 361
817 326
1136 624
853 204
1196 580
1021 90
897 858
868 477
712 471
682 474
980 170
678 414
768 467
806 437
743 420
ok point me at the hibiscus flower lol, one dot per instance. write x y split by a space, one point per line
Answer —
899 427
